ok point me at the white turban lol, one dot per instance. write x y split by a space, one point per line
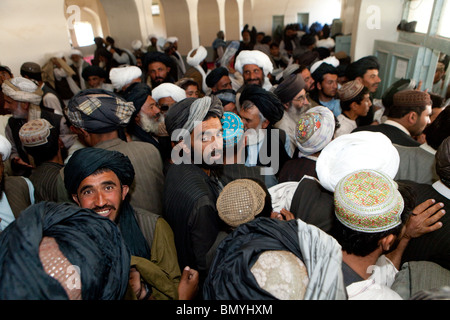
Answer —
5 147
122 76
172 39
315 129
256 57
76 52
356 151
167 89
332 60
136 44
199 56
23 90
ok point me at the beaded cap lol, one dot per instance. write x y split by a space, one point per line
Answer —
240 201
233 128
368 201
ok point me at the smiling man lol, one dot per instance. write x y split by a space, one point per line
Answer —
100 180
255 67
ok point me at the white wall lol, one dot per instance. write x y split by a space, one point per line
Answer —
323 11
30 31
374 20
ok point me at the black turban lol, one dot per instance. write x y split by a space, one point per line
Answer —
215 75
358 68
322 70
443 162
156 56
229 276
93 71
85 162
137 93
87 240
267 102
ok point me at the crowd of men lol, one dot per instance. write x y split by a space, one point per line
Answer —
269 171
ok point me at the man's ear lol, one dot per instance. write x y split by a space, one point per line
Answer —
360 79
387 242
265 124
75 198
412 117
125 190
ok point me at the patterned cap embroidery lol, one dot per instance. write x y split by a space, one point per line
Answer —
368 201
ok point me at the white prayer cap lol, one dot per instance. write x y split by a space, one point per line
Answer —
136 44
22 90
124 75
332 60
256 57
172 39
5 147
167 89
356 151
196 56
76 52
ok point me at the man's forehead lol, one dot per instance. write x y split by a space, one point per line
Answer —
251 67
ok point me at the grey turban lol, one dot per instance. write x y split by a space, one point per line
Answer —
184 114
290 87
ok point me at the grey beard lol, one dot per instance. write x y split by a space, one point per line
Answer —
149 124
295 113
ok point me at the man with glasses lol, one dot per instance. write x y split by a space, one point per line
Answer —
292 94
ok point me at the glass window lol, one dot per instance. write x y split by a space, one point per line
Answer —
444 21
420 11
84 33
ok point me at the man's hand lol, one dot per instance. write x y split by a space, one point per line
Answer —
282 215
188 287
20 162
424 219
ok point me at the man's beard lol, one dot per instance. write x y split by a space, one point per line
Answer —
295 113
20 112
149 124
157 81
258 82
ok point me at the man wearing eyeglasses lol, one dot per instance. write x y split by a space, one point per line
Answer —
292 94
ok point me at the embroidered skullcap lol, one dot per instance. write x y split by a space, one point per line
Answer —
368 201
267 102
22 90
168 89
233 128
123 75
136 44
88 241
93 71
350 90
99 111
5 147
256 57
282 274
240 201
315 130
215 75
411 98
290 87
356 151
443 162
35 133
188 112
196 56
